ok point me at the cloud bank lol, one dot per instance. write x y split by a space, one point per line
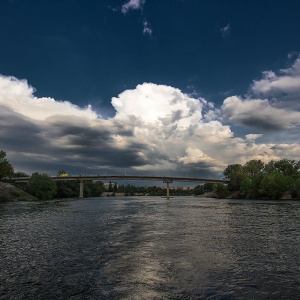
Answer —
259 114
157 129
272 104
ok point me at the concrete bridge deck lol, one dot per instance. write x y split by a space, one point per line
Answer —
138 177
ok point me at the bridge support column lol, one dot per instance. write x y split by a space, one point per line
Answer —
81 189
168 181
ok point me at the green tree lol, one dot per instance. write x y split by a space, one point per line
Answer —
220 190
297 187
284 166
208 187
274 184
253 167
67 189
92 189
129 190
232 169
88 187
20 174
270 167
198 190
235 174
121 188
6 169
99 188
250 187
41 186
110 189
115 187
287 167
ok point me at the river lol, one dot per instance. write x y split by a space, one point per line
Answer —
150 248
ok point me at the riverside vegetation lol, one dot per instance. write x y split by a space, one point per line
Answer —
253 180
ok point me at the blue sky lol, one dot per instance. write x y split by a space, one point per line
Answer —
148 86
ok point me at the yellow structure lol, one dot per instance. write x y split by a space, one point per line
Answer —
63 175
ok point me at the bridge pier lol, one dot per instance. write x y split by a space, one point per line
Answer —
168 181
81 189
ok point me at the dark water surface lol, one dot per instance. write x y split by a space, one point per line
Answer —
150 248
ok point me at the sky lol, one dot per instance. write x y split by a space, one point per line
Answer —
148 87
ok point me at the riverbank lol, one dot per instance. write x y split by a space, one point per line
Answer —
288 195
10 193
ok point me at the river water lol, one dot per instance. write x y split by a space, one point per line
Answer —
150 248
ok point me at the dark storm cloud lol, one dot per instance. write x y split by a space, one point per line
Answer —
18 132
60 145
262 123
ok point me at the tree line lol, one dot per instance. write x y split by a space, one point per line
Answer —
258 180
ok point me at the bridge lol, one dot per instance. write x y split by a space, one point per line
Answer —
164 179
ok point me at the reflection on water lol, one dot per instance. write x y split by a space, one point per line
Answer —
150 248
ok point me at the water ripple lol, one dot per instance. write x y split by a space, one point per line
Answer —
148 248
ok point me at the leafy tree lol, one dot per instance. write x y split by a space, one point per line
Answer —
110 189
297 187
235 174
88 186
92 189
221 190
287 167
198 190
129 190
232 169
20 174
208 187
253 167
41 186
121 188
6 169
99 188
115 188
67 189
141 190
284 166
270 167
274 184
236 180
250 187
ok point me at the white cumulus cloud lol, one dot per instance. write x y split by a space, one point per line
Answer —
18 95
259 113
152 103
276 85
